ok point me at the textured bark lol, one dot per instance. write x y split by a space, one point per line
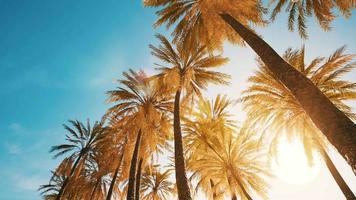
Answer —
138 180
338 178
65 182
180 172
334 124
132 174
92 196
112 184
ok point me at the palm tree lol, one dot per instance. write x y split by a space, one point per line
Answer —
50 191
187 14
185 72
268 102
113 146
96 172
321 10
223 163
156 185
200 20
82 141
141 107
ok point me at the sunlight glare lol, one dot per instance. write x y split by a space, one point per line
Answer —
292 165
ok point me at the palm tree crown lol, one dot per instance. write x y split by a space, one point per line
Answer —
156 185
224 164
200 20
268 102
189 71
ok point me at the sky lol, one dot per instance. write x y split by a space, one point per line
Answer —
58 58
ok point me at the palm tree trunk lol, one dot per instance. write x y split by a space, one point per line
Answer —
181 177
94 190
132 174
112 184
234 197
337 177
65 182
138 180
334 124
212 185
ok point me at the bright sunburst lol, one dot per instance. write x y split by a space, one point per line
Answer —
292 165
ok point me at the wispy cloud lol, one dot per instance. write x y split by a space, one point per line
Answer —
27 182
13 149
16 127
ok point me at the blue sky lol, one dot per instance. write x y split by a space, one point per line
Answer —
57 59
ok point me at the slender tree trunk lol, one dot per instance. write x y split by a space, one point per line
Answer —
112 184
212 185
234 197
94 190
334 124
132 174
338 178
65 182
181 177
138 180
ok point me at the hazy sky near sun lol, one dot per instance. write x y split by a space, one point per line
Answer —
57 59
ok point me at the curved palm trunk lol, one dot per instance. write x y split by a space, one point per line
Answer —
65 182
132 179
334 124
112 184
181 177
138 180
338 178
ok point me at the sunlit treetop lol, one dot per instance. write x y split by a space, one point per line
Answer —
139 105
156 184
225 160
323 11
199 19
271 105
189 71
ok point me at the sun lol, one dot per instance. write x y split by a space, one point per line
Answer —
291 164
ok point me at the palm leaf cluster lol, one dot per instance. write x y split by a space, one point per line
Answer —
227 162
323 11
199 19
269 102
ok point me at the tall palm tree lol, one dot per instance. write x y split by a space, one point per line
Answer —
82 140
268 102
156 185
321 10
185 72
223 163
188 15
142 107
